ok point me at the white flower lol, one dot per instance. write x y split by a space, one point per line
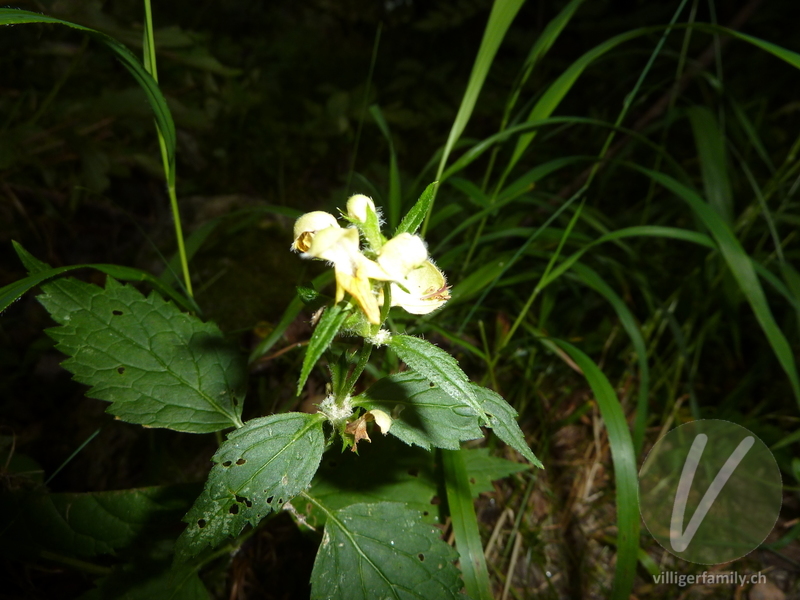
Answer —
402 254
306 227
427 290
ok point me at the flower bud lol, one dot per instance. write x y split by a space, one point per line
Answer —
306 227
359 207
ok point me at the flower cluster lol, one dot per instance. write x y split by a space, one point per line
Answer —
416 284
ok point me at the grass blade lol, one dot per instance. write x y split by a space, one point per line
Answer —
742 269
395 197
590 277
710 142
503 13
625 473
465 526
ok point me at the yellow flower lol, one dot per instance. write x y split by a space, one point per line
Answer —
353 270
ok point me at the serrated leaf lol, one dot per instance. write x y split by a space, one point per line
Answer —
329 325
483 469
385 471
390 471
439 367
157 366
503 421
422 413
259 468
383 550
89 524
414 218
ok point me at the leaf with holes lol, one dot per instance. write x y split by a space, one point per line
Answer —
157 366
421 412
503 420
440 368
382 550
258 468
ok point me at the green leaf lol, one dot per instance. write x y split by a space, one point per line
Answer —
625 472
11 16
390 471
414 218
503 13
483 469
40 272
329 325
465 525
90 524
741 267
259 468
422 413
710 142
382 550
503 421
439 367
150 582
385 471
157 366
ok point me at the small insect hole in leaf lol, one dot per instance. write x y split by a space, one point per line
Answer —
240 462
421 557
425 513
433 384
436 500
116 312
235 401
227 464
269 500
121 370
241 499
201 523
414 472
234 509
248 503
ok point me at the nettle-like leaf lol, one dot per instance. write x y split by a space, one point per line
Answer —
383 550
89 524
503 420
484 468
390 471
259 468
422 413
156 365
440 368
